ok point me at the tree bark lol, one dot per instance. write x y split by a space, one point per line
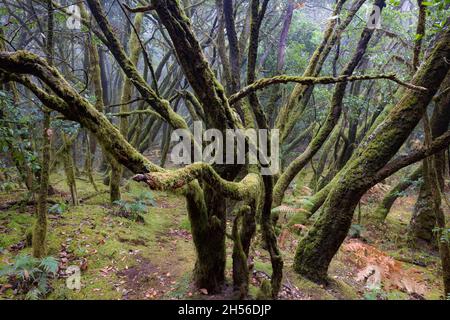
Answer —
316 250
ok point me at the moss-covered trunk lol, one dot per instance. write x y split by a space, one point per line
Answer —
40 226
69 169
316 250
423 219
388 200
207 217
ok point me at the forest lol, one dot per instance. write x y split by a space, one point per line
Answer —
224 150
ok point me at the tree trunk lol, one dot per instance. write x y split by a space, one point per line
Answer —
316 250
208 232
40 226
423 219
386 204
69 168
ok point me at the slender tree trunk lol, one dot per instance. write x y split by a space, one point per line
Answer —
40 227
388 200
69 168
208 232
116 168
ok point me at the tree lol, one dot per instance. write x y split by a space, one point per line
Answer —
318 247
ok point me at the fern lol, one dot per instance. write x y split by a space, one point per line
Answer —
49 264
33 294
133 210
31 276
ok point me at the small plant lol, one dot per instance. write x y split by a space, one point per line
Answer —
7 186
355 231
135 209
58 208
146 197
444 232
31 276
130 210
375 294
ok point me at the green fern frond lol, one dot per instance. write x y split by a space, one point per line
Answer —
49 265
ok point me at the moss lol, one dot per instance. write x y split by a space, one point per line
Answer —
298 218
263 266
396 295
185 224
347 292
181 287
312 289
265 291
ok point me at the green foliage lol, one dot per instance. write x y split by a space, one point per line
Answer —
147 198
394 3
58 208
437 14
68 127
7 186
355 230
185 224
375 294
30 276
134 209
16 132
445 234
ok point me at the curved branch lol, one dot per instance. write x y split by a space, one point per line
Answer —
160 105
265 82
139 9
74 107
400 162
175 179
130 113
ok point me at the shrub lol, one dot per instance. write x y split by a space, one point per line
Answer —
30 276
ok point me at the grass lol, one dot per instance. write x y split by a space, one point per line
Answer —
90 232
113 246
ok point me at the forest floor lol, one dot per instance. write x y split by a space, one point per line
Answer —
124 259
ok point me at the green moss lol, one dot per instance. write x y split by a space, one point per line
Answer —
312 289
185 224
265 291
347 292
396 295
298 218
17 224
263 266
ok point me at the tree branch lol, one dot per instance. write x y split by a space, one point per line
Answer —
139 9
175 179
265 82
400 162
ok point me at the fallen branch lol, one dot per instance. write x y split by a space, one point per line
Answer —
93 196
24 202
